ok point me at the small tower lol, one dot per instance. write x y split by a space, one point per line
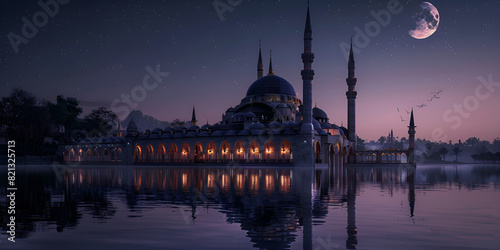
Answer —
270 64
193 118
260 65
411 139
307 77
307 129
351 99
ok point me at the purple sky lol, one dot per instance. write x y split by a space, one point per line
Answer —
98 51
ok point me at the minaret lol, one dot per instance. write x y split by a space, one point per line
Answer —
270 64
260 65
411 139
307 77
351 99
307 73
193 118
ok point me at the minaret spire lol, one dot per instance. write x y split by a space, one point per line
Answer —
270 64
260 65
351 99
411 139
193 118
307 79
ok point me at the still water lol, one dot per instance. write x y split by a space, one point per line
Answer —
139 207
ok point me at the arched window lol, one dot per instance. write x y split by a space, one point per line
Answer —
269 151
138 154
198 153
95 155
105 155
161 153
285 150
119 154
113 155
211 151
149 155
172 153
239 151
225 151
318 152
185 152
80 155
253 153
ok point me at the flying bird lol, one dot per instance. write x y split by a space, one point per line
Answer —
397 109
437 93
421 105
402 120
407 112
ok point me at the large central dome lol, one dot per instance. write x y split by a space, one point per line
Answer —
271 84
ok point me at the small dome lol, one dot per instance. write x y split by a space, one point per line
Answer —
250 115
193 128
319 114
204 133
293 125
316 124
271 84
326 125
244 132
257 126
179 129
206 127
156 131
218 133
168 129
343 131
230 132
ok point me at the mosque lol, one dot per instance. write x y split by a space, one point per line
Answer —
270 125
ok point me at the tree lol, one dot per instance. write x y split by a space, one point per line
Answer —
382 140
26 120
360 143
456 150
472 141
442 152
177 123
99 122
65 112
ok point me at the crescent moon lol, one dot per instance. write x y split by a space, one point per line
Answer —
426 21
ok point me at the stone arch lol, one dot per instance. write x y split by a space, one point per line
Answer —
173 153
239 151
225 151
317 152
138 154
269 153
211 151
119 154
71 154
106 155
149 155
88 155
285 150
113 154
198 153
95 154
161 154
185 152
404 158
80 155
254 151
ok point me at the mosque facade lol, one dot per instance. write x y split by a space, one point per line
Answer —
270 125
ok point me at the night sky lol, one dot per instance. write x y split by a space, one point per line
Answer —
98 51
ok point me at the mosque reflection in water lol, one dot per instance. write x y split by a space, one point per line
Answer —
270 204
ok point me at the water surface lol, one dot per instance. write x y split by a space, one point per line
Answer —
140 207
